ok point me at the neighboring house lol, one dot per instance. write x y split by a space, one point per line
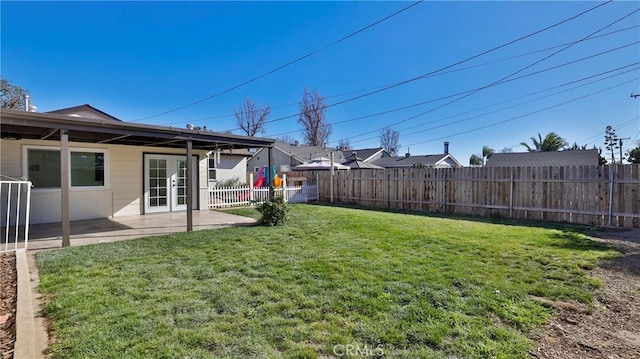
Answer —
115 168
227 165
556 158
85 111
367 154
444 160
286 156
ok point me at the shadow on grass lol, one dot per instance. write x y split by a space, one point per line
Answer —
575 240
582 229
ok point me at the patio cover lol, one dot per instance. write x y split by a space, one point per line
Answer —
320 163
16 124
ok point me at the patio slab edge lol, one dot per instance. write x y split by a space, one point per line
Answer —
31 335
24 346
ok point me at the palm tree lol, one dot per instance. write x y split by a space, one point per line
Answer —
486 153
551 142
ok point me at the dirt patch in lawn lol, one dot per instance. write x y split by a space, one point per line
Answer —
8 297
611 329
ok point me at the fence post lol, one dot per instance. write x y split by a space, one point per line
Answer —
284 188
511 195
251 196
388 190
612 175
7 223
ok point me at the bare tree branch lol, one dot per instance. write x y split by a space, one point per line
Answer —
390 141
312 118
251 118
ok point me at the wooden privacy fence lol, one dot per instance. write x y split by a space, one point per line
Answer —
594 195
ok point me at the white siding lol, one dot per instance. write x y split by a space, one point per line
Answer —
122 197
231 167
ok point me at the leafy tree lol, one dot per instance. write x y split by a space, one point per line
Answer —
316 130
634 155
486 153
551 142
475 160
390 141
251 118
12 95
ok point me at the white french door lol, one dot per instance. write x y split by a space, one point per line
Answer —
165 183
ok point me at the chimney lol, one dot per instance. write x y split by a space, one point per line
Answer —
446 147
26 102
296 143
406 155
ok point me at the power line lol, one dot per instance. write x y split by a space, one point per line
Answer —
501 109
527 114
468 91
494 83
432 73
438 74
601 133
473 91
286 64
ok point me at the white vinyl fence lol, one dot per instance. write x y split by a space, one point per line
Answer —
15 205
224 197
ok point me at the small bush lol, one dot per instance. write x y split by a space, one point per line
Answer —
274 212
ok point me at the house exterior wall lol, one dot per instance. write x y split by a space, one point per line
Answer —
279 158
123 192
447 163
231 167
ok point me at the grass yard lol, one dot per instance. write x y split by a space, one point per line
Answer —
390 284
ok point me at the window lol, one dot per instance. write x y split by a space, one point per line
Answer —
87 168
212 170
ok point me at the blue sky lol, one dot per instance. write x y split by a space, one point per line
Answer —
139 59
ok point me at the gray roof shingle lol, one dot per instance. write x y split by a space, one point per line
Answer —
559 158
304 153
403 161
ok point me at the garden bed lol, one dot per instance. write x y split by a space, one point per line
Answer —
8 300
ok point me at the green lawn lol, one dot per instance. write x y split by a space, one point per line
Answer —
402 285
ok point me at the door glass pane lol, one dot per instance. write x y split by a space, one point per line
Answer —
181 188
157 183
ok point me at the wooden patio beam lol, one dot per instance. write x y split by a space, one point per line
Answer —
190 188
64 187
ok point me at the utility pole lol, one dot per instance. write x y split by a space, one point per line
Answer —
626 138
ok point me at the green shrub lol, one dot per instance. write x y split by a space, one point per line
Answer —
274 212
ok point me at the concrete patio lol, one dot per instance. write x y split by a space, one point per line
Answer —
47 236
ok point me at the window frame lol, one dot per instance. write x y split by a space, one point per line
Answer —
212 157
104 151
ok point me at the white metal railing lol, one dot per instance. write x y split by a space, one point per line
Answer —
224 197
15 207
